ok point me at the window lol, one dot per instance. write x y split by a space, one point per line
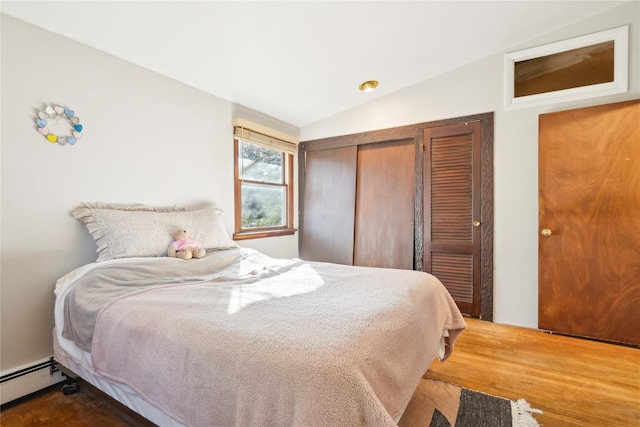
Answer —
263 181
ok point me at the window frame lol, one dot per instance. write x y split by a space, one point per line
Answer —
261 232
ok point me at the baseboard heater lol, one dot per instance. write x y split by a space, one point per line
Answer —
29 379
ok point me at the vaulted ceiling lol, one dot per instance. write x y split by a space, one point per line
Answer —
302 61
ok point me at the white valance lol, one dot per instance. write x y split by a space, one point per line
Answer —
253 132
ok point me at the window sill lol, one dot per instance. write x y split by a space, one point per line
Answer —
246 235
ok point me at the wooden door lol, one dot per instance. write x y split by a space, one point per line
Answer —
385 205
589 219
327 217
452 211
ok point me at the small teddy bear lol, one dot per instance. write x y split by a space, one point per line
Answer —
184 246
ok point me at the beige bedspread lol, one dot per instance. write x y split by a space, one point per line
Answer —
267 342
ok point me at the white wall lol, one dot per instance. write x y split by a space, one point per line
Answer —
147 139
478 88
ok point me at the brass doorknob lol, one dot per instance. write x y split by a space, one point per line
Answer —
476 223
546 232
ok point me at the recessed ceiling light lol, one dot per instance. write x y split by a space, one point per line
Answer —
368 86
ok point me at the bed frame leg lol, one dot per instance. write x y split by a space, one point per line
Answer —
71 385
70 388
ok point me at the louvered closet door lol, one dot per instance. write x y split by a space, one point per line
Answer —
452 207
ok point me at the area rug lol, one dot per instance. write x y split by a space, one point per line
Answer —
440 404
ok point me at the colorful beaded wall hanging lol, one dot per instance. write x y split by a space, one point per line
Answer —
56 113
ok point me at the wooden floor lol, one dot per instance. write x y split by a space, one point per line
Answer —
576 382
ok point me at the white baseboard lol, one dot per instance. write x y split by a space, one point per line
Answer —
27 383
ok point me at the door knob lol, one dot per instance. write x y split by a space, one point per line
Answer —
546 232
476 223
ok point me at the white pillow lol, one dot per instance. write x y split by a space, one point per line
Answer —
122 231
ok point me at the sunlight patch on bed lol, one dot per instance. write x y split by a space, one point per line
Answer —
299 280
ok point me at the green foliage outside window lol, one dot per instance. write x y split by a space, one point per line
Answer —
261 206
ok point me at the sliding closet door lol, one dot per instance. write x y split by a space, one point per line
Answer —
328 205
452 211
385 205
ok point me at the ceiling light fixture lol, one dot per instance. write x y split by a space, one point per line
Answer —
368 86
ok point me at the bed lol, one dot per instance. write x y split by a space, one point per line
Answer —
241 339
